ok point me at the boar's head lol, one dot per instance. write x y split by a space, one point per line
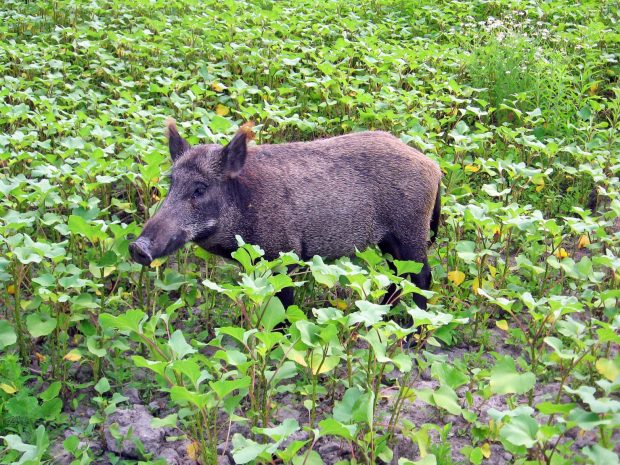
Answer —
203 187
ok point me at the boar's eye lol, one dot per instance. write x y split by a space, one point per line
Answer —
199 191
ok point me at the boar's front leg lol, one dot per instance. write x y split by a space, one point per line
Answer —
286 296
409 249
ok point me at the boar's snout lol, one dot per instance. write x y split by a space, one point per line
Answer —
140 252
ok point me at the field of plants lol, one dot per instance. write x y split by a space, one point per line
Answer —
193 359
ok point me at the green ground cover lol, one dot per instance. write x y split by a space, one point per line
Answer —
516 359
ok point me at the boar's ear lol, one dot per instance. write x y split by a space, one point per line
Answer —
176 143
233 155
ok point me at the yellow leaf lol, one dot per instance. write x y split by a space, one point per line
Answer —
476 285
608 368
40 357
158 262
192 450
456 277
73 356
8 388
297 357
486 450
221 110
322 364
492 270
11 289
502 324
593 88
217 87
341 304
435 299
584 241
561 253
540 184
472 168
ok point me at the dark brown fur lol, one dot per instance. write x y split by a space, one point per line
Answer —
325 197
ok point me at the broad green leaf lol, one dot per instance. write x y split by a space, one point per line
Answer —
446 398
368 314
40 324
51 392
332 427
407 266
102 386
520 431
506 380
273 314
169 421
128 321
179 345
8 336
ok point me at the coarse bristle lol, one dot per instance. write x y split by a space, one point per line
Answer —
171 126
248 129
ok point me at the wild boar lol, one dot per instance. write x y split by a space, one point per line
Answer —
325 197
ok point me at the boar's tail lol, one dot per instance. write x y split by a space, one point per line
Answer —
436 214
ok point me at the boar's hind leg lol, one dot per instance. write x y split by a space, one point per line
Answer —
408 250
286 296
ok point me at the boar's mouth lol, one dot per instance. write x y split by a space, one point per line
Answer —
144 250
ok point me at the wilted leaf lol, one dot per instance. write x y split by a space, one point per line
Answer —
221 110
608 368
73 356
9 389
456 277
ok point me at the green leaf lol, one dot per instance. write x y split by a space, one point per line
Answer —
446 398
220 125
599 455
449 375
169 421
224 387
128 321
407 266
92 345
273 315
51 409
369 313
179 345
280 432
79 225
40 324
245 450
189 368
182 395
8 336
506 380
332 427
51 392
23 406
520 431
429 459
313 458
71 443
158 367
102 386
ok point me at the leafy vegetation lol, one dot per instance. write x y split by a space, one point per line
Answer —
515 361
